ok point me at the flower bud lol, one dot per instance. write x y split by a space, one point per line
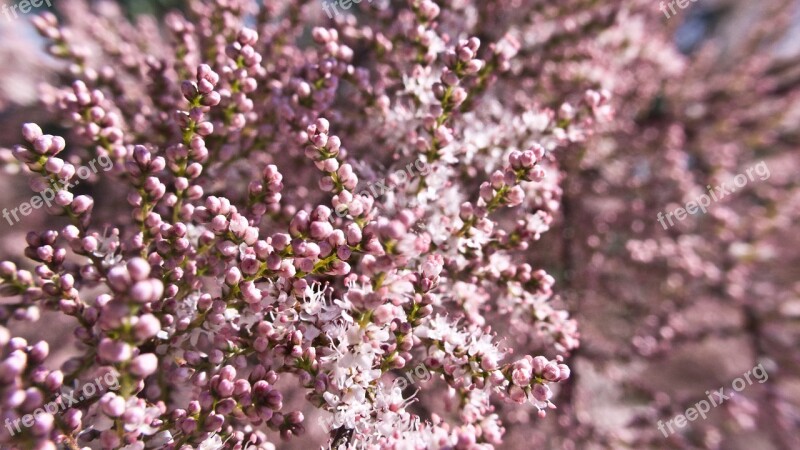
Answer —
114 351
144 365
31 132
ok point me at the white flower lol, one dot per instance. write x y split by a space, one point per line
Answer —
331 399
420 85
214 442
433 329
160 439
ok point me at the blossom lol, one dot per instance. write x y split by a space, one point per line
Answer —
245 256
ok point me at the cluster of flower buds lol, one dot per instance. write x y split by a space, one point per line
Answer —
62 45
317 245
182 31
56 174
600 104
504 188
201 94
240 73
529 377
44 148
227 274
324 150
396 243
173 253
24 410
96 121
504 51
225 220
460 62
399 352
143 169
317 89
450 91
120 420
17 282
42 248
265 194
430 271
339 178
423 33
525 164
133 279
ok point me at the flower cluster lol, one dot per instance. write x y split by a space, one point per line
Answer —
234 259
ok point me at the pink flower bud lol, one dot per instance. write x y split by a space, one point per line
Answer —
82 203
112 404
551 371
42 144
119 278
517 394
538 363
54 165
238 224
320 230
250 266
219 223
564 371
299 223
541 392
205 128
39 352
31 131
225 388
515 196
114 351
138 268
72 418
343 252
204 72
213 422
43 424
189 89
54 380
250 292
144 365
146 327
233 277
353 234
147 290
